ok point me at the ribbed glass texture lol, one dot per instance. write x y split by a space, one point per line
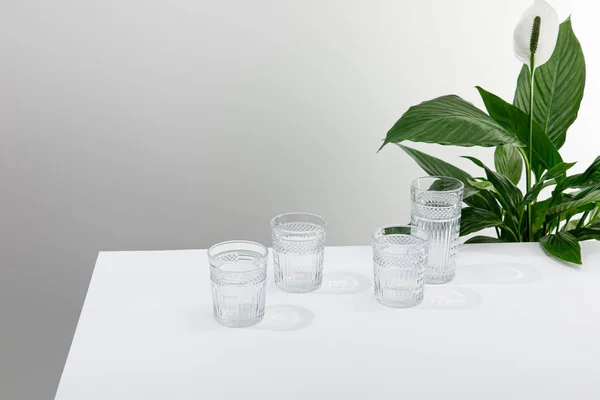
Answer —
298 248
436 207
399 260
238 271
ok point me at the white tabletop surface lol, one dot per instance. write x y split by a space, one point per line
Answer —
514 324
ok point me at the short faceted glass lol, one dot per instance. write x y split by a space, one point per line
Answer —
399 260
238 271
298 248
436 207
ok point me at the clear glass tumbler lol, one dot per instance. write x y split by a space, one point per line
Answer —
399 259
436 207
238 271
298 247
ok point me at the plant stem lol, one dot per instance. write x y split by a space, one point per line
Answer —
529 175
582 220
497 232
544 229
525 160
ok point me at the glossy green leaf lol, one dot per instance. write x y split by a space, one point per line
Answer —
485 200
475 219
590 232
563 246
558 85
483 239
436 167
534 192
548 179
594 214
545 154
590 177
510 196
577 211
572 224
558 171
508 162
539 217
584 234
581 193
449 120
510 231
397 230
481 184
590 198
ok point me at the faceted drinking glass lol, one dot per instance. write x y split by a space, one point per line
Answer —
436 207
238 271
399 259
298 247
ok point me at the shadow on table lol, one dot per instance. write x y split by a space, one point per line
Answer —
450 298
437 298
285 318
509 273
334 283
343 283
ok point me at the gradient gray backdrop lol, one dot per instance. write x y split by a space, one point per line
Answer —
165 124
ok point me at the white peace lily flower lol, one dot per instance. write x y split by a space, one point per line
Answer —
537 32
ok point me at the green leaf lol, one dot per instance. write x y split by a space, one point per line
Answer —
548 179
534 192
563 246
436 167
545 154
449 120
509 229
510 196
476 219
595 214
590 232
594 225
589 198
444 184
539 217
558 171
483 239
397 230
558 85
581 193
568 215
584 234
481 185
590 177
484 200
508 162
572 224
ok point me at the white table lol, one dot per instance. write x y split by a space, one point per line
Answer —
513 325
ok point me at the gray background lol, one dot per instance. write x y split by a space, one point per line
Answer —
175 124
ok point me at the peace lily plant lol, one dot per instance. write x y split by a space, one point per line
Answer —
529 132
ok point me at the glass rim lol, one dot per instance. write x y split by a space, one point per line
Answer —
319 229
461 185
264 252
379 233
